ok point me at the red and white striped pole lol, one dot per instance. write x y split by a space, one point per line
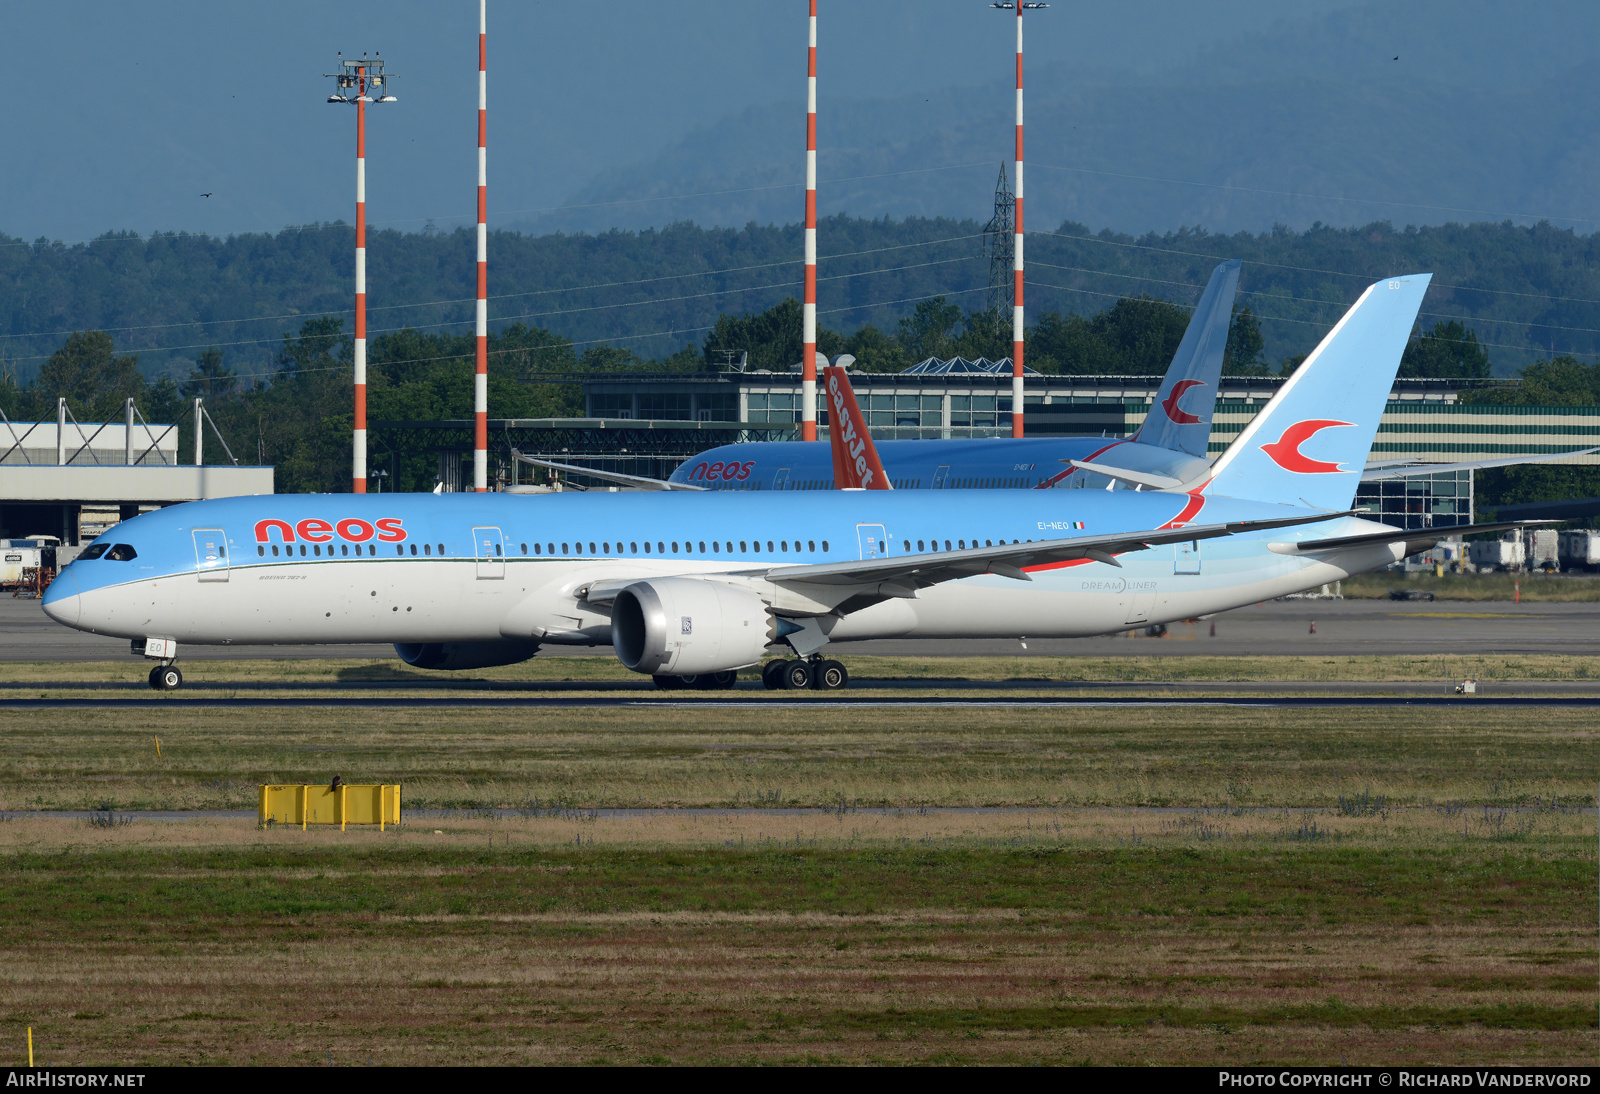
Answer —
808 333
480 379
358 463
1017 402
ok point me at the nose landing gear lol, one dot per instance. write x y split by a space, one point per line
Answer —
166 678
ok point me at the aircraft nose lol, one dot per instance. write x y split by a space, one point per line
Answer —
61 600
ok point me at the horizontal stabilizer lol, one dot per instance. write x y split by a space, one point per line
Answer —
638 482
1416 540
1410 469
1132 478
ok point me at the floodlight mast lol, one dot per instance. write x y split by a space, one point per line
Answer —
1017 400
480 378
361 77
808 321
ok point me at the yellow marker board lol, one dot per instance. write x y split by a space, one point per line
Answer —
305 805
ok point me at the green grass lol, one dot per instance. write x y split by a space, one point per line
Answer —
216 758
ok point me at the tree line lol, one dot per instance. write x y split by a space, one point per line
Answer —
1526 292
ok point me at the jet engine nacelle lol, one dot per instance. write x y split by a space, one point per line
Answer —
680 626
465 655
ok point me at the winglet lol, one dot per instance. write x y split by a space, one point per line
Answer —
855 458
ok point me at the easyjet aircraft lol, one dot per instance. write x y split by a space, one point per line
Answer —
693 586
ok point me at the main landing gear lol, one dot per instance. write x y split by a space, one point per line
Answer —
799 675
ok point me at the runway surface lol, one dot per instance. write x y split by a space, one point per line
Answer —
781 701
1278 628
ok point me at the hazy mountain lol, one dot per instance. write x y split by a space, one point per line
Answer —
1486 113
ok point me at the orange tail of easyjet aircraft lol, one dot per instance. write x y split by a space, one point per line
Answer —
855 458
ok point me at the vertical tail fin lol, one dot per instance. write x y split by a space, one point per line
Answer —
855 458
1309 445
1197 365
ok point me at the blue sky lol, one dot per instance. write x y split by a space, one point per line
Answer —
121 115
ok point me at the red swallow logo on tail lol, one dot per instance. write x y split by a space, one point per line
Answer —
1285 451
1170 403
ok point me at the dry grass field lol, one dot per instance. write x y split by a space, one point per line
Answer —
213 757
1164 885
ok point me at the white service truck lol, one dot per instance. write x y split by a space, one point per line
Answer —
19 556
1580 549
1544 550
1505 553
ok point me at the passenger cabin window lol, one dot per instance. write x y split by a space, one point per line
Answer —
274 550
94 552
260 550
824 546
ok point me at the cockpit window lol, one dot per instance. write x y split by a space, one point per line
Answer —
95 552
122 552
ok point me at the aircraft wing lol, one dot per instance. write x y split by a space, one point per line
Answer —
1416 540
1396 469
638 482
1010 559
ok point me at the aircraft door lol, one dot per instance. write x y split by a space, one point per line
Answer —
489 547
874 544
211 554
940 475
1186 557
1139 605
780 480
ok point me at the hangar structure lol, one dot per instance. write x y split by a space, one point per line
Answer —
72 480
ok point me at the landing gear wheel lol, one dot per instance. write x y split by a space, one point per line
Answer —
772 675
796 675
829 676
721 681
166 678
668 683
